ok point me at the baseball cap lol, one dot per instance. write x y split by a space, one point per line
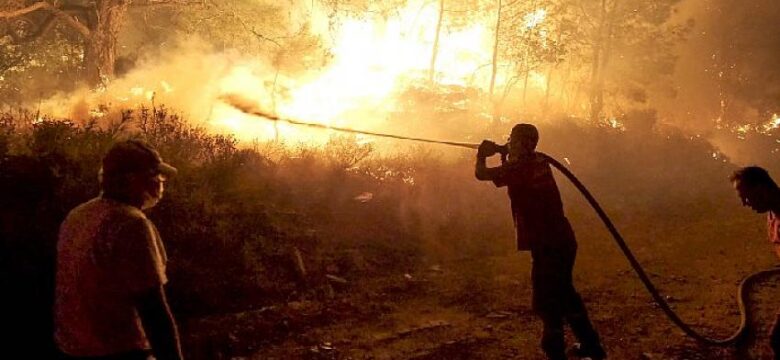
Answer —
135 156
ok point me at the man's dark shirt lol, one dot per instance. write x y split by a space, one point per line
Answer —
537 209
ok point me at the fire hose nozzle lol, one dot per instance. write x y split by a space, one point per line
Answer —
503 149
499 149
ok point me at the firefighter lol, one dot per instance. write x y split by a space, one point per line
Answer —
542 228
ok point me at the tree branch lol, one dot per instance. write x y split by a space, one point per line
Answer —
43 5
24 11
151 3
252 29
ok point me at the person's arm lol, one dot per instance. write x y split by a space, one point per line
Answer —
159 325
481 171
140 268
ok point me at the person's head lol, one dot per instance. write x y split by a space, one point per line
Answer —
755 188
133 172
523 140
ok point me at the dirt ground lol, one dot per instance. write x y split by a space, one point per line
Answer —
479 308
423 316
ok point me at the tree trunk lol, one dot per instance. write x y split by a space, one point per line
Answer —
526 62
596 97
549 79
607 54
601 62
495 49
435 51
101 45
548 83
525 84
273 105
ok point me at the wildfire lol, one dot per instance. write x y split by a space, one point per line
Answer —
766 128
372 59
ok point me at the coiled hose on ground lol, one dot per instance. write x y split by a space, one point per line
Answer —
742 290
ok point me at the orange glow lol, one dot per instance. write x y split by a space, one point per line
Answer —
535 18
372 60
773 123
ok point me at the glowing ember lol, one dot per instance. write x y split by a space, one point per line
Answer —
773 124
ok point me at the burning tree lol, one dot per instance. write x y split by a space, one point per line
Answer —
630 45
529 40
745 61
354 60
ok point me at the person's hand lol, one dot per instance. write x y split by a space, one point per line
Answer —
487 148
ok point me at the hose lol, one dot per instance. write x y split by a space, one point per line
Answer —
742 289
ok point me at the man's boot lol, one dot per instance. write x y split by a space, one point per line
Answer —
590 344
553 343
584 352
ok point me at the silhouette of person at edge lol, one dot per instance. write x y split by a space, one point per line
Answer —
542 228
758 191
29 216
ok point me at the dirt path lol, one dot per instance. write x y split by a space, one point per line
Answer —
471 309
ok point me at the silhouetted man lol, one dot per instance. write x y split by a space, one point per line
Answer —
542 228
757 190
110 302
29 217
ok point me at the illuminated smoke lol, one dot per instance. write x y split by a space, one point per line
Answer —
373 60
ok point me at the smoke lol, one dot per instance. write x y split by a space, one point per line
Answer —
368 73
187 77
191 77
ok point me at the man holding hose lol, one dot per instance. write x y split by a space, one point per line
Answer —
542 228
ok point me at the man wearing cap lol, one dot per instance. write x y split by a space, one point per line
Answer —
110 302
542 228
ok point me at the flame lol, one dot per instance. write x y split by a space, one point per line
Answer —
614 123
773 123
372 60
535 18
